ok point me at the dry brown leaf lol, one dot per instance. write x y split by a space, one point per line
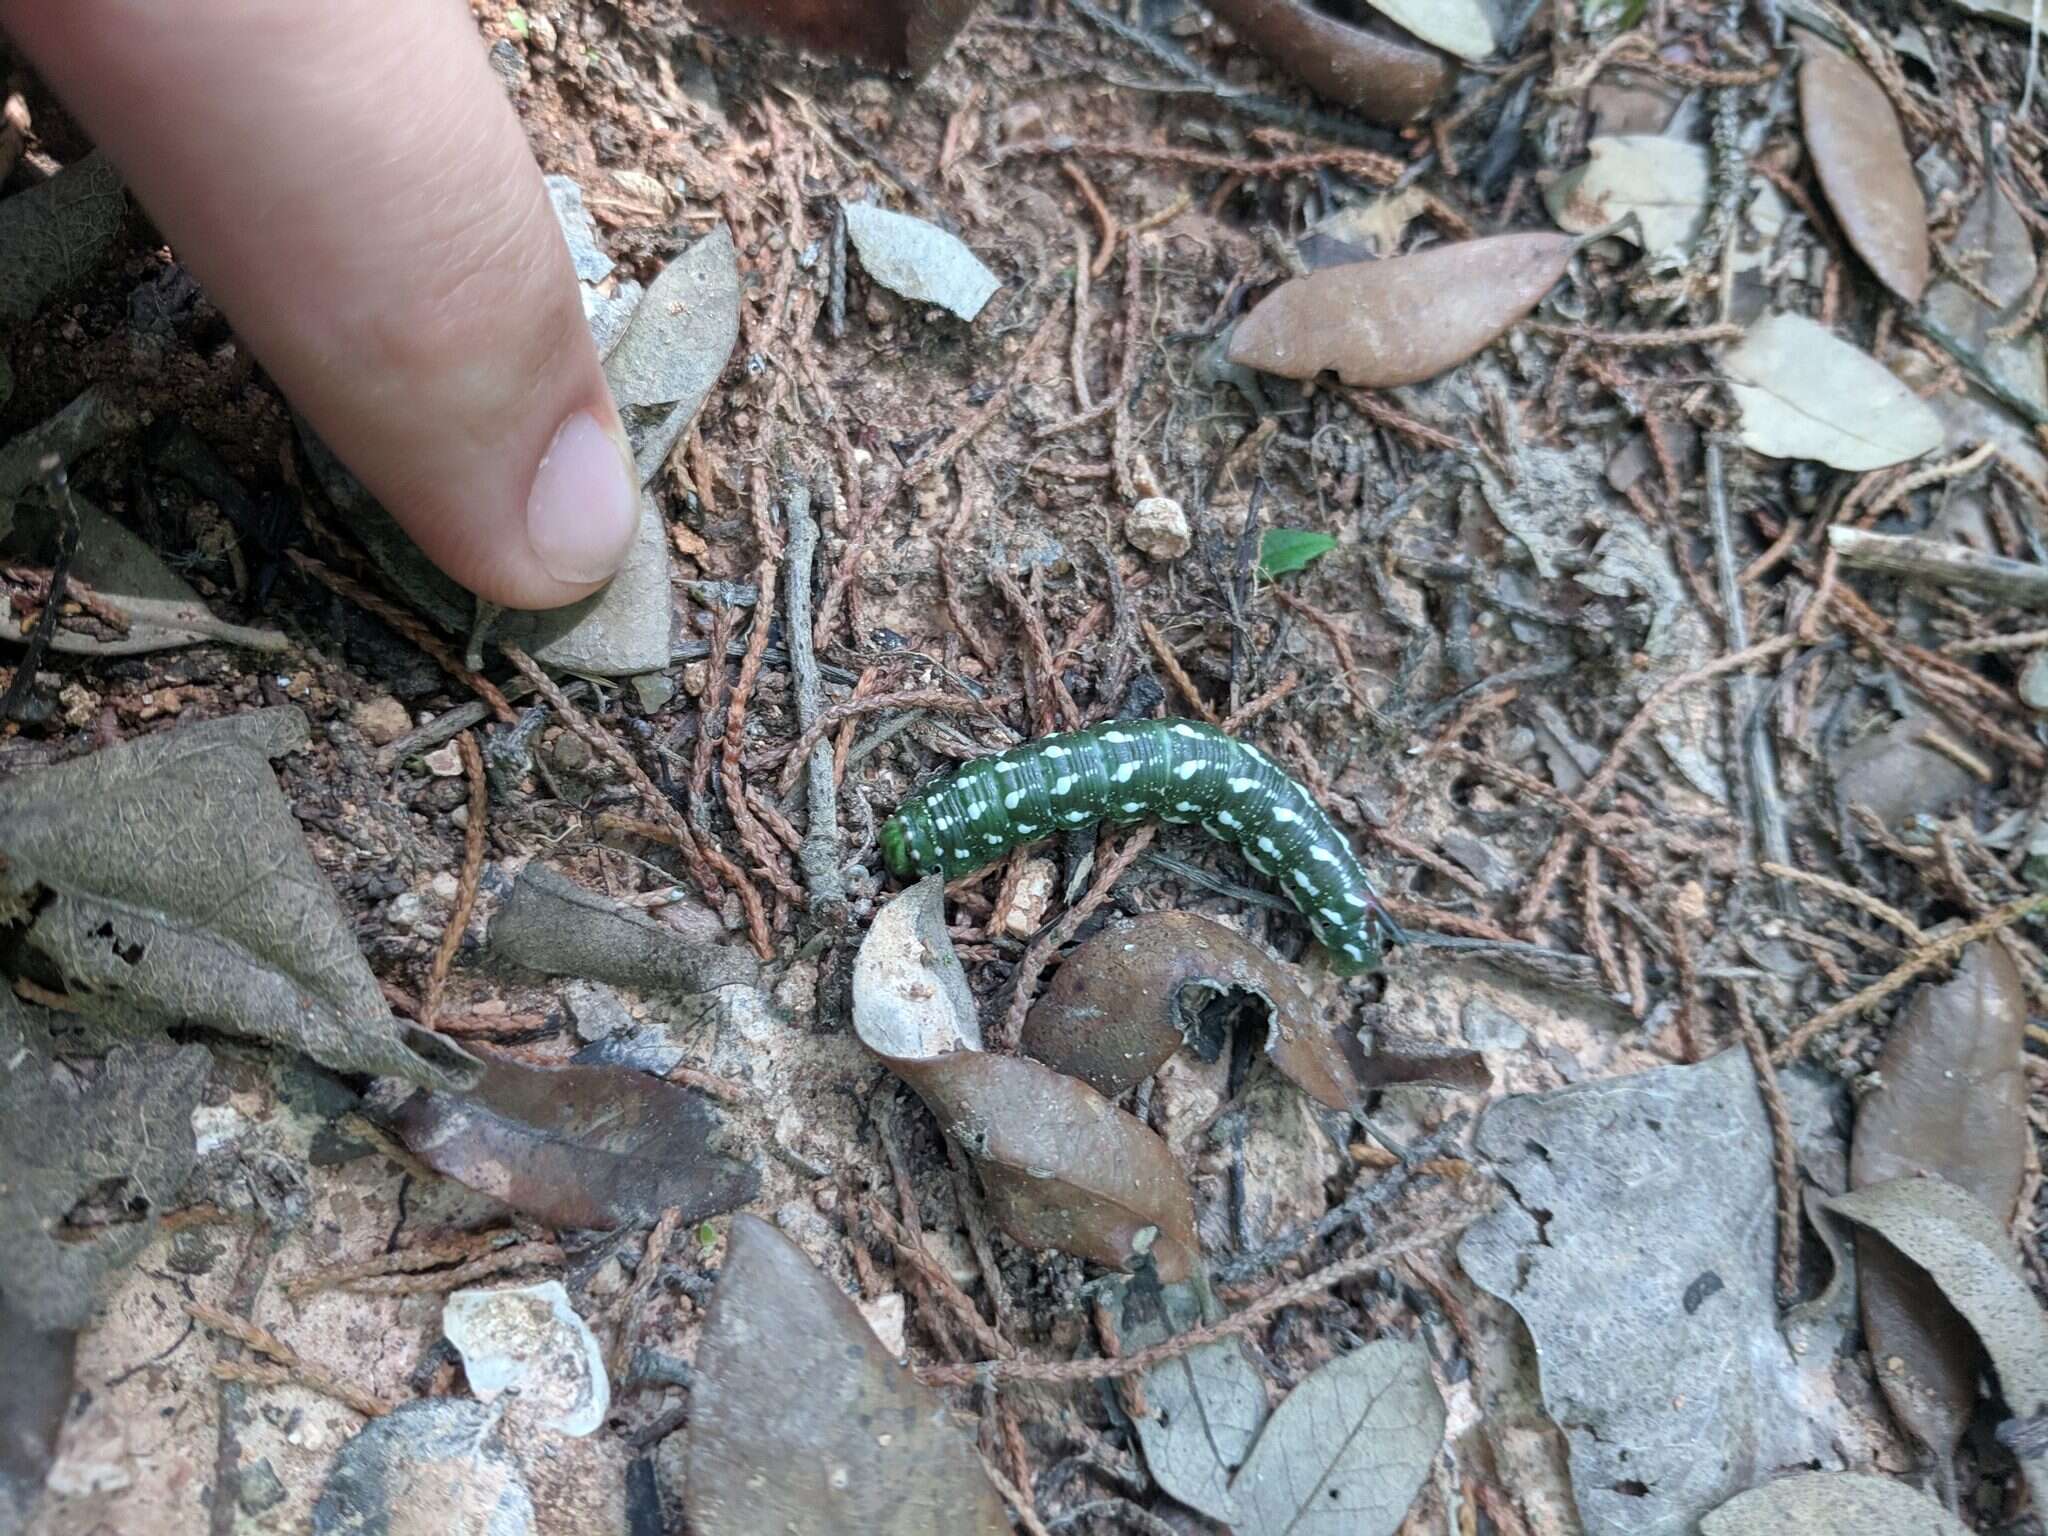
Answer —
1387 79
1951 1101
1382 323
801 1424
1860 155
580 1146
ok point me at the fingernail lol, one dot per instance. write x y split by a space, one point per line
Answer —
585 503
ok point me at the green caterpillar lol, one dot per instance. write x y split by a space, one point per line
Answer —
1126 771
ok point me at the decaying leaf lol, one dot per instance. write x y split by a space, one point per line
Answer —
164 881
1461 27
160 610
1951 1101
1992 244
1832 1504
580 1147
1860 156
1806 394
919 260
1204 1407
2021 13
1389 79
1664 182
86 1170
1639 1248
31 1411
1404 319
1899 777
1062 1166
427 1468
1347 1450
675 347
52 235
802 1425
553 925
1965 1248
907 35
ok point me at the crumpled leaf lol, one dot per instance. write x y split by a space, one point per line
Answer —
1806 394
1664 182
1461 27
427 1468
162 611
1899 777
124 1141
1951 1100
1993 245
1404 319
802 1425
1347 1450
53 235
919 260
1387 78
31 1411
675 347
1860 156
1639 1248
1062 1166
528 1340
907 35
2020 13
1205 1407
167 882
583 1147
1284 550
1965 1248
553 925
1832 1504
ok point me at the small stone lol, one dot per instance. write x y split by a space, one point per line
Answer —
529 1339
653 690
382 720
444 762
885 1316
570 753
1159 527
1034 894
2034 681
541 32
257 1488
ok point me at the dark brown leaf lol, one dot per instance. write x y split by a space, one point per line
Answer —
1063 1167
909 35
580 1146
1387 79
1951 1101
1382 323
801 1424
553 925
1860 155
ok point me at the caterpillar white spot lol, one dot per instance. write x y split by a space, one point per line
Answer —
1176 770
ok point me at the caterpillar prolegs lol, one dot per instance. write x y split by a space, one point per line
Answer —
1127 771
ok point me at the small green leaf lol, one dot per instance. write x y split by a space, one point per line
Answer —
1289 549
707 1236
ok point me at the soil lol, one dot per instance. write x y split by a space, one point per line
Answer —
1450 682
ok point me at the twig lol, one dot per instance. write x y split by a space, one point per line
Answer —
289 1366
408 625
1924 958
465 887
58 480
1947 565
1784 1147
1011 1495
634 1302
1033 963
1176 674
1107 220
821 855
753 838
1252 708
1636 341
848 708
1367 165
1880 910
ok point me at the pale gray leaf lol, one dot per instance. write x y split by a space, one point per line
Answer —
427 1468
1467 28
1664 182
1806 394
1966 1249
1640 1251
675 347
579 230
553 925
1832 1504
167 881
1347 1450
1206 1406
52 235
911 999
919 260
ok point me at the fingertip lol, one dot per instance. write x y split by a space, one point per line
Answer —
584 504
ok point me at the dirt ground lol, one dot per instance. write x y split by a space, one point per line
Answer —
1529 550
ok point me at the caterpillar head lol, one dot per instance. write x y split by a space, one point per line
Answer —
909 845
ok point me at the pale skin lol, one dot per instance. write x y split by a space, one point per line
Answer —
351 186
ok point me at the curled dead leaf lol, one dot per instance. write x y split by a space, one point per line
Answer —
1860 156
1387 79
824 1433
1951 1101
582 1147
1398 321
